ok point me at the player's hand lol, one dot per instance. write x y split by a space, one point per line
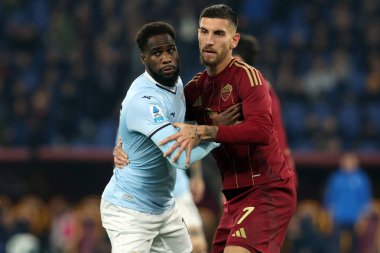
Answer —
227 117
197 187
120 158
186 139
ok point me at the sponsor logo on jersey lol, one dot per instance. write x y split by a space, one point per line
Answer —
157 114
240 233
148 97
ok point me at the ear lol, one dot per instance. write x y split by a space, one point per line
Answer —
143 58
235 40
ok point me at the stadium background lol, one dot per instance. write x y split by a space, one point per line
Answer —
65 66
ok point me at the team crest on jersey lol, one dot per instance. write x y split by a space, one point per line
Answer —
156 113
226 91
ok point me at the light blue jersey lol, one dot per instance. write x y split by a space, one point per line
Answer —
182 184
148 110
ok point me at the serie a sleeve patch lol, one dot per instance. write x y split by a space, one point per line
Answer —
156 113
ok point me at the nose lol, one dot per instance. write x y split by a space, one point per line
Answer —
166 58
209 39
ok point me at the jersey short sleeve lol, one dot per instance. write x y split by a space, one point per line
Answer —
147 116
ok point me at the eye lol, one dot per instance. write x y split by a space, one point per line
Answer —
171 50
219 33
156 53
203 31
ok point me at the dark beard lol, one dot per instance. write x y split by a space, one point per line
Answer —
206 64
167 81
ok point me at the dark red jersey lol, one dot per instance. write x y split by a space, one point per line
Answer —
277 120
280 129
249 153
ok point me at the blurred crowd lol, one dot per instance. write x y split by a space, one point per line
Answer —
65 66
312 230
34 225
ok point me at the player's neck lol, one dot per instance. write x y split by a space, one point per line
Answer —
214 70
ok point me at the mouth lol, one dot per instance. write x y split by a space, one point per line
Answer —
208 52
168 69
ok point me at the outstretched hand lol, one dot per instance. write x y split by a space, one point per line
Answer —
186 139
227 117
120 158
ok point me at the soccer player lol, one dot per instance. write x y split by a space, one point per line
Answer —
258 183
186 193
137 208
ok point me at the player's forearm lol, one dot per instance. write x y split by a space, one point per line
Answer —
247 132
197 154
243 133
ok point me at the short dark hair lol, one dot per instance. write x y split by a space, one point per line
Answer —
220 11
153 29
248 48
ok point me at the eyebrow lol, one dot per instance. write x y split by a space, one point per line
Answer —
162 48
215 31
160 45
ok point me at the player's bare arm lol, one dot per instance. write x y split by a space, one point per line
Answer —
188 137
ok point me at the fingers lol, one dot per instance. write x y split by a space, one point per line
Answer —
178 124
188 154
235 118
234 107
120 154
231 109
120 158
234 110
233 114
178 154
168 139
118 164
171 149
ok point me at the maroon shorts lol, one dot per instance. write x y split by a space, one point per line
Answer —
258 218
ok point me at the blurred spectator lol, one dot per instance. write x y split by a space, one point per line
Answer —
5 221
76 57
308 229
29 228
31 225
368 230
347 197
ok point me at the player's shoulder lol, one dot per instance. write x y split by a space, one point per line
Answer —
244 70
138 97
196 78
